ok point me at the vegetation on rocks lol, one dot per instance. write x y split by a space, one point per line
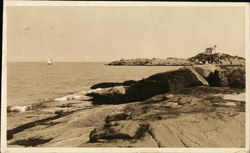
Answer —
217 58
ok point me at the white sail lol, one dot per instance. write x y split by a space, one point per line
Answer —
49 61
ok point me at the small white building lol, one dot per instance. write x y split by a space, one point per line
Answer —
210 50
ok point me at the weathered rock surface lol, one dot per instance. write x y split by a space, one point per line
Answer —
41 127
194 119
191 117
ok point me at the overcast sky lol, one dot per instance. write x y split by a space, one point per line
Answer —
98 33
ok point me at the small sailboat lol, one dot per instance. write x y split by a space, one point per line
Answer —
49 61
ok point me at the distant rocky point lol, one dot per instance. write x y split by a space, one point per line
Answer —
152 62
209 56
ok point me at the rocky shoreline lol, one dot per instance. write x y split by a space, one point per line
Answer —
199 59
194 106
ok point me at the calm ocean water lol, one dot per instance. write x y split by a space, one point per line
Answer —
32 82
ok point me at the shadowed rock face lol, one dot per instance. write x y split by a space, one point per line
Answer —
151 86
228 76
111 95
237 78
165 82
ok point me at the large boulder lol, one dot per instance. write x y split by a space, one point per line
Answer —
165 82
237 78
233 76
227 76
218 78
146 88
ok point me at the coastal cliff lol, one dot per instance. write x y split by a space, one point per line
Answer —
194 106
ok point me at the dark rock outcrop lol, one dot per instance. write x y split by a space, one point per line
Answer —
151 86
113 95
225 76
165 82
199 75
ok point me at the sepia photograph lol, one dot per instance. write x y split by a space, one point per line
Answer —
125 75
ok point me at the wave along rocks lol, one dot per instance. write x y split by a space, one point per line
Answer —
80 95
17 108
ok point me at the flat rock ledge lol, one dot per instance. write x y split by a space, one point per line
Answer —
187 118
191 117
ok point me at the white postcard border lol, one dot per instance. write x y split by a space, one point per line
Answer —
4 147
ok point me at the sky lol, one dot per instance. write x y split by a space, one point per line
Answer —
107 33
